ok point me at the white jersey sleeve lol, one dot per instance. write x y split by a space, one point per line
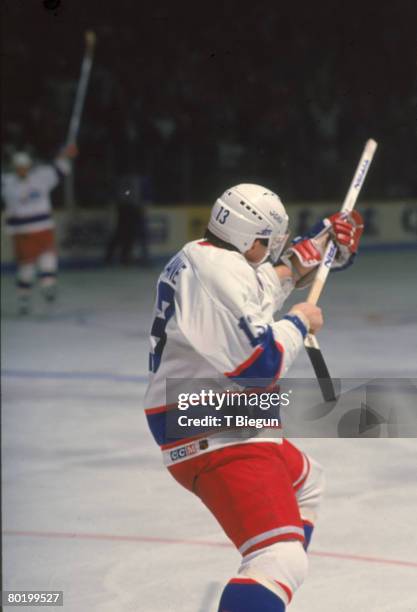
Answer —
47 176
63 165
50 175
275 291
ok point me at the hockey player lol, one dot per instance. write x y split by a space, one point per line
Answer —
29 221
214 319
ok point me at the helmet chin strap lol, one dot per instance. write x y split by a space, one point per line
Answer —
259 263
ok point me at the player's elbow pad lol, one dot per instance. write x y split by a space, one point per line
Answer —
264 363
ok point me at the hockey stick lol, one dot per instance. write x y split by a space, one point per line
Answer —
310 343
74 125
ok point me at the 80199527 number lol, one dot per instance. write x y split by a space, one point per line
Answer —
33 598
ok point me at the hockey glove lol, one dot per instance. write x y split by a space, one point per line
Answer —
345 230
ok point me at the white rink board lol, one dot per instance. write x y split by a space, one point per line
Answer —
88 507
82 236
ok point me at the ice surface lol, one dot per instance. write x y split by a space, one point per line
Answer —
88 507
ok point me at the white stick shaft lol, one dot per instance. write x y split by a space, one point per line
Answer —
79 101
348 206
360 175
77 110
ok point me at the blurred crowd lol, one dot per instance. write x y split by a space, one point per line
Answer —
252 96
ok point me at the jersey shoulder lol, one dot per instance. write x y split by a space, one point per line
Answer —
43 172
224 275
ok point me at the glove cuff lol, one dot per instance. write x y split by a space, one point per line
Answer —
299 320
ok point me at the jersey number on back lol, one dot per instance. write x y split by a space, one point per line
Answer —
165 310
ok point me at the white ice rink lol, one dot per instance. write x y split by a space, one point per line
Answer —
88 507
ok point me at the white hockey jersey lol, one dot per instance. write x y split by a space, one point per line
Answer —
213 318
28 205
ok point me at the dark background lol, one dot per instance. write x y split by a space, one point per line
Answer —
198 96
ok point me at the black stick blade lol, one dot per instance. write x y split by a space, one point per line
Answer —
322 373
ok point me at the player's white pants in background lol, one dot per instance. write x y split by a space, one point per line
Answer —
47 269
46 266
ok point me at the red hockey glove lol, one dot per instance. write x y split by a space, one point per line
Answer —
345 230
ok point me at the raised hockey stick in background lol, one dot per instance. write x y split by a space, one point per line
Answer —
74 125
311 344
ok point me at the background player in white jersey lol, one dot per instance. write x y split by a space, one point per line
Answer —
214 319
29 221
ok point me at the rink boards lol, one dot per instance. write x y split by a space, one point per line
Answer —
83 234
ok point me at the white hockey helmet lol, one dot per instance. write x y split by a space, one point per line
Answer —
248 212
21 160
